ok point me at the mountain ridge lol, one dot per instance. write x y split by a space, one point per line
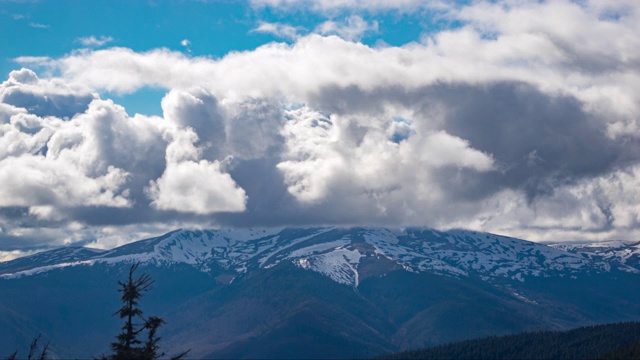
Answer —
337 252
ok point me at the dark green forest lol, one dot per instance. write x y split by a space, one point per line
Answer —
601 342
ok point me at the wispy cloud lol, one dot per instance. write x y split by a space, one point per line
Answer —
368 5
35 60
280 30
39 25
93 41
186 44
351 28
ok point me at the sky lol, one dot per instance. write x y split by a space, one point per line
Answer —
121 120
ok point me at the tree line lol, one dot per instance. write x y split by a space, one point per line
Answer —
601 342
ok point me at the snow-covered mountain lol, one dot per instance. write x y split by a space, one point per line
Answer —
323 292
619 253
346 255
61 256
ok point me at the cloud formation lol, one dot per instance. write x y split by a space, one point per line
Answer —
524 120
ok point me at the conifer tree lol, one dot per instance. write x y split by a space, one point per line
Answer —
128 345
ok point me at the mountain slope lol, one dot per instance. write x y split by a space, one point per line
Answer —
612 252
615 341
314 292
49 258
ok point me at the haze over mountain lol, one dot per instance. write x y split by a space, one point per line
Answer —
320 292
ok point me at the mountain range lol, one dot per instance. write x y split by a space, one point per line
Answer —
325 292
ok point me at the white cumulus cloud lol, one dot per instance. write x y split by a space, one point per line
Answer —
198 187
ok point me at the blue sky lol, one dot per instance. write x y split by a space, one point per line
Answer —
120 120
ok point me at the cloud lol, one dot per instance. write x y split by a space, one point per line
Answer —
538 141
280 30
370 5
186 44
198 110
39 25
544 59
579 35
92 41
23 89
517 122
352 28
100 161
198 187
324 154
33 181
64 163
189 185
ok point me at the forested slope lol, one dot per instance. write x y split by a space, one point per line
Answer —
611 341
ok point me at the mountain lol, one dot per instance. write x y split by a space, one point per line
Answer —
607 252
51 258
337 253
318 292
